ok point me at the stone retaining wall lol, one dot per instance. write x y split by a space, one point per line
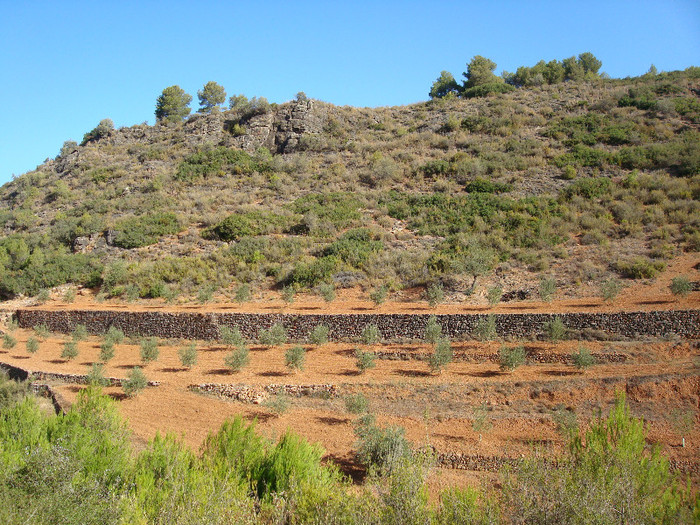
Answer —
481 357
22 374
258 394
191 325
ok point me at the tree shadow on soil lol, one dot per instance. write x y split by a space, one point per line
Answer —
272 373
218 372
328 420
118 396
19 356
350 467
562 373
173 369
485 373
259 416
413 373
348 372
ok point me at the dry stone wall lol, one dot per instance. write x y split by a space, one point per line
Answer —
192 325
258 394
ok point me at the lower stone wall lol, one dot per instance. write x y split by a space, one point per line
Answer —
205 326
481 357
22 374
258 394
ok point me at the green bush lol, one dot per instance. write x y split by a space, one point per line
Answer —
364 360
370 334
149 350
495 88
242 294
237 358
354 247
289 294
442 356
610 288
485 328
220 161
378 295
143 230
681 286
319 335
555 330
42 331
294 358
356 404
135 382
70 350
103 129
188 355
433 330
639 268
327 291
341 210
273 336
8 341
381 448
248 224
583 358
547 289
510 358
278 404
106 350
79 333
308 275
494 295
231 336
32 345
96 375
115 335
435 294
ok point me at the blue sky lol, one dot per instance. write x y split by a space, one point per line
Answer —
67 65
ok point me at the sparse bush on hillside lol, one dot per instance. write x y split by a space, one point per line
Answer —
106 350
378 294
103 129
639 268
70 350
371 334
135 382
8 341
327 291
547 289
510 358
364 360
32 345
583 358
555 330
356 404
485 328
294 358
681 286
441 356
433 330
149 349
143 230
188 355
237 358
610 288
319 335
273 336
435 294
231 336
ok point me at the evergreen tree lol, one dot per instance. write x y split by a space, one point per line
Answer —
173 104
211 97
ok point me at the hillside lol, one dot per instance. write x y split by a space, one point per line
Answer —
574 184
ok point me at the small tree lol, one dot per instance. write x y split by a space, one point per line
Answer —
294 358
583 358
485 328
547 289
149 350
494 295
242 293
173 105
114 335
433 330
211 97
435 294
8 341
319 335
32 345
103 129
135 382
327 291
555 330
106 350
79 333
96 376
231 336
70 350
510 358
610 288
444 85
188 355
289 294
681 286
370 334
42 331
364 360
275 335
69 295
441 357
237 358
356 404
480 71
378 295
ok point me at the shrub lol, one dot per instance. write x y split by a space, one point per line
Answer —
206 293
442 356
319 335
364 360
547 289
435 294
149 350
555 330
79 333
494 295
242 294
237 358
96 375
357 404
135 232
42 331
681 286
115 335
69 295
43 296
566 421
327 291
510 358
275 335
32 345
382 448
370 334
103 129
378 295
610 288
485 328
70 350
481 422
135 382
288 294
583 358
188 355
278 404
231 336
433 330
106 350
8 341
639 268
294 358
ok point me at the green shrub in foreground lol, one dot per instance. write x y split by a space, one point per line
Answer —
135 382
